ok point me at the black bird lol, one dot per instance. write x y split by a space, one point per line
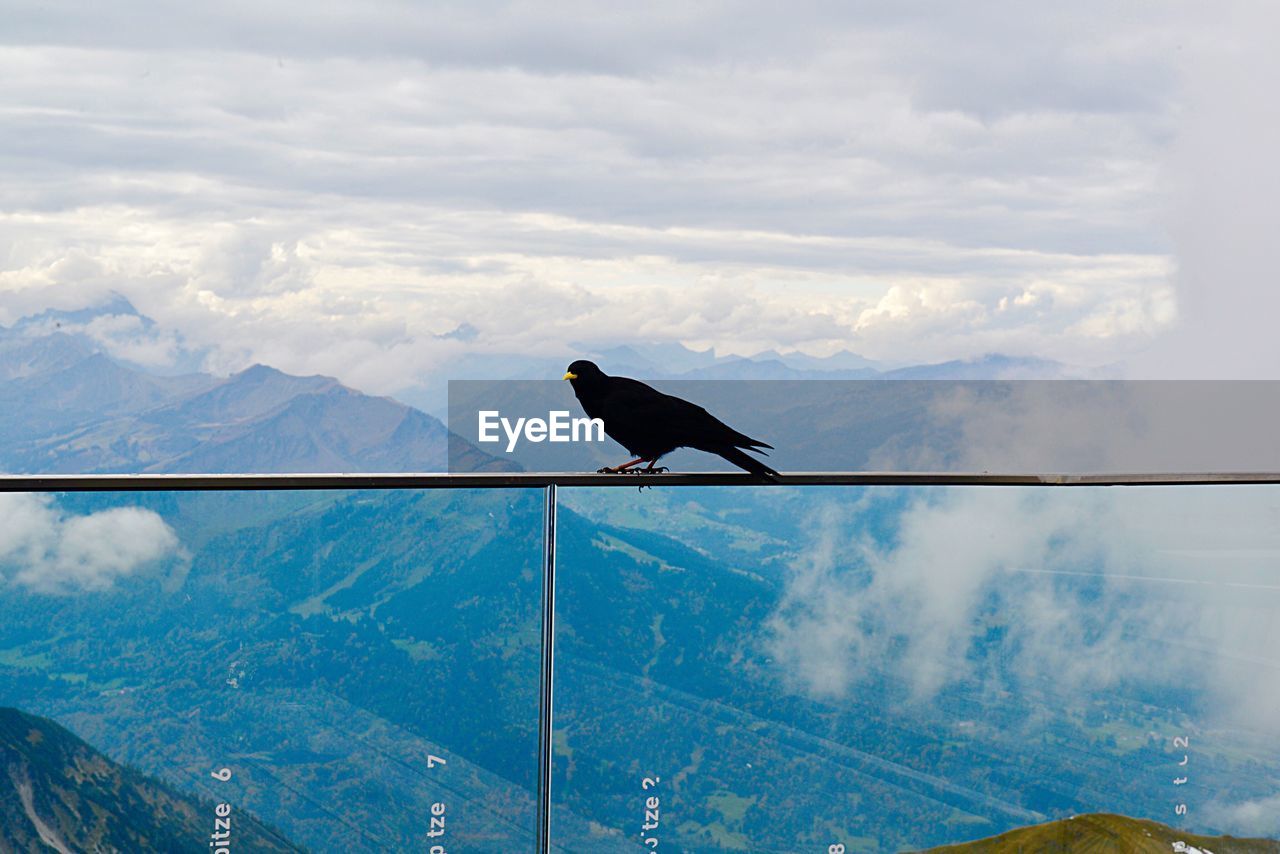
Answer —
651 424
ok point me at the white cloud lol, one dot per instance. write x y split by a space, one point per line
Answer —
1174 587
49 551
1260 817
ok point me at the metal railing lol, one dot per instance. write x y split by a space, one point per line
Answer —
513 480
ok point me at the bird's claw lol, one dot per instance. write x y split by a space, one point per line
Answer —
654 470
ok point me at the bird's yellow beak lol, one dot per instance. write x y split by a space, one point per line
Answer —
569 375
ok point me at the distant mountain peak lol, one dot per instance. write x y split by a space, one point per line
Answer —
989 366
461 332
115 304
844 360
258 371
652 358
115 326
264 379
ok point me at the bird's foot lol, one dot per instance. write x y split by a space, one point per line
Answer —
626 469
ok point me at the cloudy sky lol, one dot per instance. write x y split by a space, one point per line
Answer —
332 187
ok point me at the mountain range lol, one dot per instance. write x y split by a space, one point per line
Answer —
66 406
674 361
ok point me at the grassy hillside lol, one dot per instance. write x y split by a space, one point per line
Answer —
1105 834
58 793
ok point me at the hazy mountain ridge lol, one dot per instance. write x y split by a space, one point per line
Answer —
60 338
66 406
61 794
674 361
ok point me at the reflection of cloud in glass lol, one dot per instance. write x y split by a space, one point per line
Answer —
48 551
1176 588
1259 817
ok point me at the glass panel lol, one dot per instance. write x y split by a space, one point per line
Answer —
880 669
348 671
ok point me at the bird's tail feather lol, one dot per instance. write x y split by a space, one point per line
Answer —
747 462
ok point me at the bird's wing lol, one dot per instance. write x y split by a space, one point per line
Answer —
693 425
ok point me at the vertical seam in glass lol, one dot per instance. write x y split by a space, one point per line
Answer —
548 670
